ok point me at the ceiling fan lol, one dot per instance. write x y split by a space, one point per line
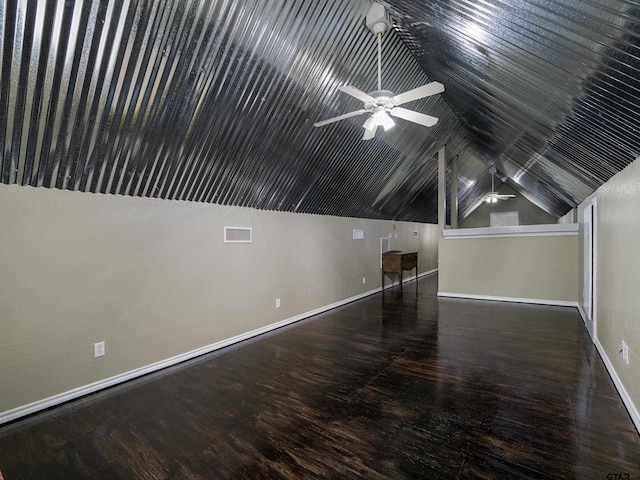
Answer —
493 196
382 103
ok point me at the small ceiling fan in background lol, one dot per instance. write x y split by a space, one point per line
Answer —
382 103
493 196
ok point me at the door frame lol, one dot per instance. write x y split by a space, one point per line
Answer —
590 264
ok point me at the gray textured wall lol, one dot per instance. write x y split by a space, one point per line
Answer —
618 275
154 280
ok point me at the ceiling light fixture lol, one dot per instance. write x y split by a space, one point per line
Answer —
382 118
384 104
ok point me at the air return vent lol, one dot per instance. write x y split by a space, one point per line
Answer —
238 235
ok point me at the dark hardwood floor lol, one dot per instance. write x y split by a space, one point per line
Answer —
387 387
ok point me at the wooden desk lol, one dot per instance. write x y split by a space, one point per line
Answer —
394 261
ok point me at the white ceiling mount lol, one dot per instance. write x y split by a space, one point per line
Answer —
377 19
383 104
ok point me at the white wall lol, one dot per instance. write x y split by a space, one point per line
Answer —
489 263
154 280
529 213
617 294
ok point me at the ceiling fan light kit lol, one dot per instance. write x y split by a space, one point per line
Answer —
384 104
380 117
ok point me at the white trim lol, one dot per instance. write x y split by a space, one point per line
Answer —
494 298
583 314
428 272
395 283
63 397
555 229
409 279
594 293
626 399
420 275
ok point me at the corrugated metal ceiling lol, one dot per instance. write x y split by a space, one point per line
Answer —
549 90
214 100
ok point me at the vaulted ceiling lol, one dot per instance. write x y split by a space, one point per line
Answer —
215 100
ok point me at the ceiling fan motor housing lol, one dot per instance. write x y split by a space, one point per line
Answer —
383 98
377 19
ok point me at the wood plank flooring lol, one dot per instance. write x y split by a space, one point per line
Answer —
400 386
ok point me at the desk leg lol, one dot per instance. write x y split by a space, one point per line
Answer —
382 283
400 280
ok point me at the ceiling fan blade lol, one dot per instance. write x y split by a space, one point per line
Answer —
420 92
415 117
505 196
359 94
322 123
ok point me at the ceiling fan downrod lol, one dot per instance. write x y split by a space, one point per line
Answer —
379 35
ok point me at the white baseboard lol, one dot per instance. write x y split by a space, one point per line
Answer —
626 399
423 274
583 314
493 298
395 283
63 397
585 320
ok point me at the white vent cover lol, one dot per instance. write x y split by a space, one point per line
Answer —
238 235
358 234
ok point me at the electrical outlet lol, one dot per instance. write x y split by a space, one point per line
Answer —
625 352
626 357
98 349
364 280
277 303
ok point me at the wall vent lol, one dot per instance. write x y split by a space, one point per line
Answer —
238 235
358 234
